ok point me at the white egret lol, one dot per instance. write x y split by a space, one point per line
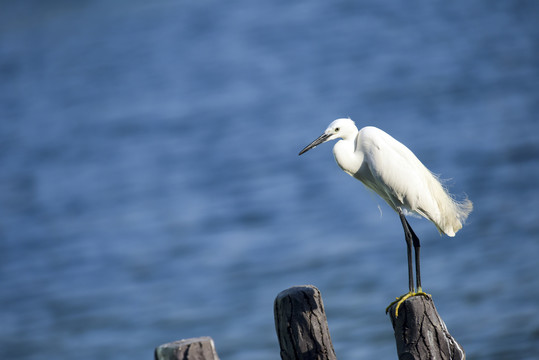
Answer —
391 170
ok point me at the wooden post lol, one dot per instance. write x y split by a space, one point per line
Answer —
420 332
201 348
301 325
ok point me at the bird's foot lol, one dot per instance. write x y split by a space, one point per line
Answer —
402 298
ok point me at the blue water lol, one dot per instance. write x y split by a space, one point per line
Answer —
150 188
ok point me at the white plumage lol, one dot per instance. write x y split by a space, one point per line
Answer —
391 170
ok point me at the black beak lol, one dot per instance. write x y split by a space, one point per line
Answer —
321 139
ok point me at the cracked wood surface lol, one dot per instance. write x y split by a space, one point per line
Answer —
201 348
301 325
420 332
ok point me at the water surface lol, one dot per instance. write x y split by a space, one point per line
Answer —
150 188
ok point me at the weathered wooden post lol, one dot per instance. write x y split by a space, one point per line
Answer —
201 348
420 332
301 325
302 330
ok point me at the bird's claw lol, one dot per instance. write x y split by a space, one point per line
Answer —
402 298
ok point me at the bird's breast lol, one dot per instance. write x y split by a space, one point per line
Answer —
346 157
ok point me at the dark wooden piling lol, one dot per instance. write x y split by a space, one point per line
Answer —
302 330
301 325
201 348
420 332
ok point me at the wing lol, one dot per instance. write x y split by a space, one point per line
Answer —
396 174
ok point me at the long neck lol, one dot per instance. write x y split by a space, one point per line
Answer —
346 156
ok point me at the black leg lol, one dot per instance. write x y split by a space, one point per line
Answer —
411 238
417 248
408 238
417 271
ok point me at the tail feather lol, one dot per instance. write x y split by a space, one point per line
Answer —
452 214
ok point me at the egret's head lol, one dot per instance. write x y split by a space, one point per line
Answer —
340 128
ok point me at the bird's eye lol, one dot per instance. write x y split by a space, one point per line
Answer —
336 129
